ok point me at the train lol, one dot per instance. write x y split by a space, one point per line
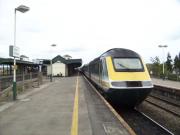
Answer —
121 76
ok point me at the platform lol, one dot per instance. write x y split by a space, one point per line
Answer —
67 106
166 83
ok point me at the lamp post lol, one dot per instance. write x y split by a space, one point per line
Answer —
51 77
21 9
163 47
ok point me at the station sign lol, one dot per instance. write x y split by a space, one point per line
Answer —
14 51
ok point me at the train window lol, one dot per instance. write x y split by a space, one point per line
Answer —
104 70
128 64
1 69
95 68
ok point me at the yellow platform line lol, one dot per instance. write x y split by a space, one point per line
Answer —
74 126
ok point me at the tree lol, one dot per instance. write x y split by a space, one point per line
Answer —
177 63
169 65
156 66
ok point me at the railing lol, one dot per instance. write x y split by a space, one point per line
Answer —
170 76
6 81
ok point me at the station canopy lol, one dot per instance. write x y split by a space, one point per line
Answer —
10 61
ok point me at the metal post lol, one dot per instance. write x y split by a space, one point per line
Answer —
51 72
14 81
21 9
23 78
163 47
163 68
0 86
14 76
163 59
51 77
14 27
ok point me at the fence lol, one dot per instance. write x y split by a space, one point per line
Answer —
7 81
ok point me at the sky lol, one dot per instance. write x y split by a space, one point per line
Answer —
87 28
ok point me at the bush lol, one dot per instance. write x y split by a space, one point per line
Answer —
173 77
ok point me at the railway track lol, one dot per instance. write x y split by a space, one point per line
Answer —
143 124
164 105
139 122
155 122
162 98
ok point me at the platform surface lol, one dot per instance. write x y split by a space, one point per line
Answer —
166 83
50 111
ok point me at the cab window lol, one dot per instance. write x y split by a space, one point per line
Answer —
128 64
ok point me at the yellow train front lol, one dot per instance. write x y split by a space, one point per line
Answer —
121 75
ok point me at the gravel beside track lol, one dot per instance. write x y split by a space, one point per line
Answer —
161 116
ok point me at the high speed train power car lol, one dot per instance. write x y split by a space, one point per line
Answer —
121 75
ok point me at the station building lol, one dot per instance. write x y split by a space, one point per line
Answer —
62 66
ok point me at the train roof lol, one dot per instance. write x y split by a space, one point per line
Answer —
120 52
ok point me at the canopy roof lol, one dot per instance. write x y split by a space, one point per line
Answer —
11 61
63 60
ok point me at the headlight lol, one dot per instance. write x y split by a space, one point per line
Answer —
147 83
119 84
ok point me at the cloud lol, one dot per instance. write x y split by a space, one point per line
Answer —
86 29
175 35
75 50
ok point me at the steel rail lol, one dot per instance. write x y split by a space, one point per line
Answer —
154 122
163 108
165 100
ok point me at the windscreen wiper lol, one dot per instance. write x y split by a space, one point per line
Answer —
123 66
